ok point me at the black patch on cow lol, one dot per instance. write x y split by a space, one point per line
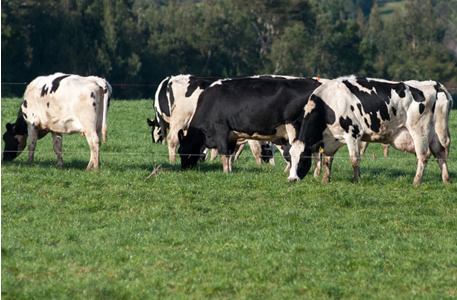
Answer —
92 95
198 82
355 131
352 108
433 107
56 83
25 116
191 147
44 91
421 108
345 123
374 102
417 94
394 111
266 152
24 103
359 106
94 104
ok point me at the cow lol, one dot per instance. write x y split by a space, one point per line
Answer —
443 108
60 104
348 110
264 108
175 102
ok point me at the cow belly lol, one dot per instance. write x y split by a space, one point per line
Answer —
280 133
403 141
67 126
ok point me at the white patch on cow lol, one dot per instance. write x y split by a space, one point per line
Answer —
298 147
281 132
309 107
156 102
291 132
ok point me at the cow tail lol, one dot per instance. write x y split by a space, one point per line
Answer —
106 98
448 112
449 99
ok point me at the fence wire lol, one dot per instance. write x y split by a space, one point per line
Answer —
368 156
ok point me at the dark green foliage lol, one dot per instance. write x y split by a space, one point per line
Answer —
137 42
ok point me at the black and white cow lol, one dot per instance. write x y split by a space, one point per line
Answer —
264 108
60 104
441 118
348 110
175 102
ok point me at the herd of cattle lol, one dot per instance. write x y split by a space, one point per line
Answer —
304 117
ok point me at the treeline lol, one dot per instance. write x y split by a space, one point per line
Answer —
139 42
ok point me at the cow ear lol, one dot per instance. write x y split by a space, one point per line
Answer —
150 123
10 127
180 135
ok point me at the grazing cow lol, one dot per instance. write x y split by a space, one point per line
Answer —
60 103
175 102
441 118
265 108
348 110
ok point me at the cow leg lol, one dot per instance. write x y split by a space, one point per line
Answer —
354 154
57 145
256 150
386 150
440 155
317 157
93 139
33 138
363 148
213 154
329 152
328 160
226 163
173 142
422 148
238 150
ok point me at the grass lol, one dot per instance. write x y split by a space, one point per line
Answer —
112 234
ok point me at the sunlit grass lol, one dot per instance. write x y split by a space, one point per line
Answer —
113 233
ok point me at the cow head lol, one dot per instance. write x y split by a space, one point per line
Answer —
267 152
156 132
300 156
191 147
15 139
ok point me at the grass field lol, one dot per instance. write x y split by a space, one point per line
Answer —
113 234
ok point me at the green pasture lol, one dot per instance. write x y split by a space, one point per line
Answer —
114 234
